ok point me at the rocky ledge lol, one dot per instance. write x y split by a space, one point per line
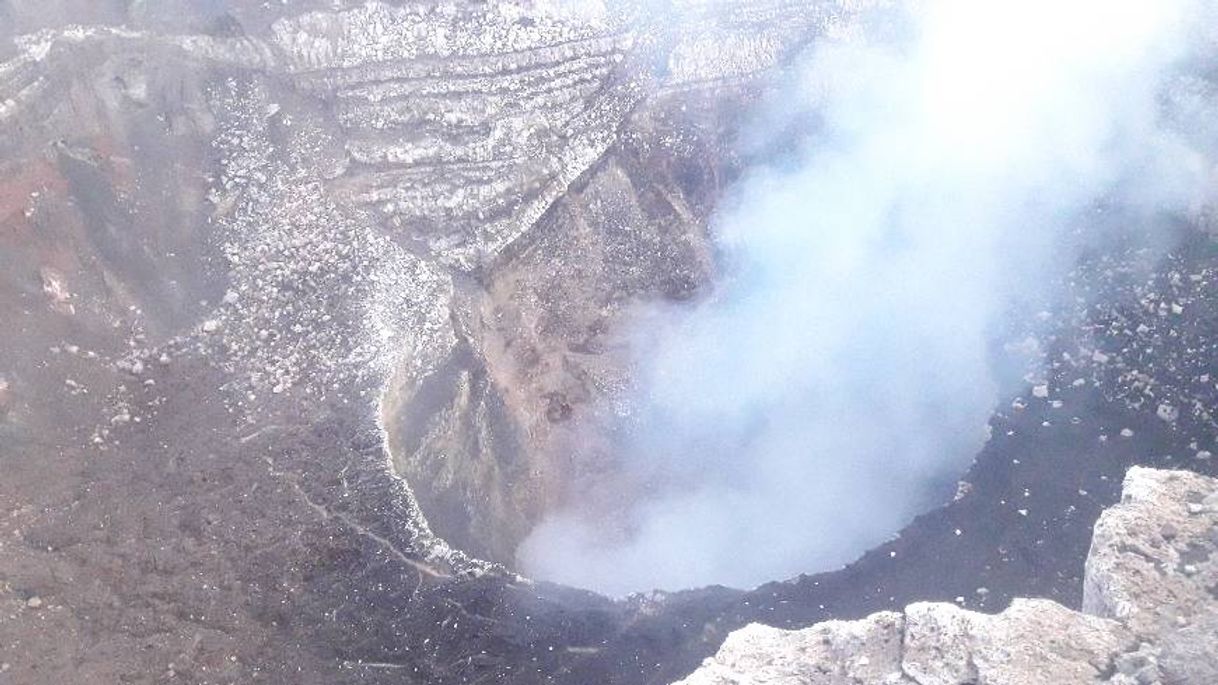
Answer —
1149 615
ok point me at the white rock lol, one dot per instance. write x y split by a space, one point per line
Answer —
863 651
1168 413
1033 641
1159 584
1135 586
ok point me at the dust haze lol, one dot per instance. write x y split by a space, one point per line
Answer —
841 373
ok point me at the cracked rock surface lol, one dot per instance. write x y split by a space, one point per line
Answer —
1149 614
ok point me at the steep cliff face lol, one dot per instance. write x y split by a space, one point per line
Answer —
1149 616
462 202
304 301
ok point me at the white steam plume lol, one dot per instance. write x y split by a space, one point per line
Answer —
841 373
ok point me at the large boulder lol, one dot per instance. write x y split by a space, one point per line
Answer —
1152 566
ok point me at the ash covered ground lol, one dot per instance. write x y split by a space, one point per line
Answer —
305 305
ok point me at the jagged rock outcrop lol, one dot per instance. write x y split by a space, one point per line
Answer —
1153 568
1149 616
